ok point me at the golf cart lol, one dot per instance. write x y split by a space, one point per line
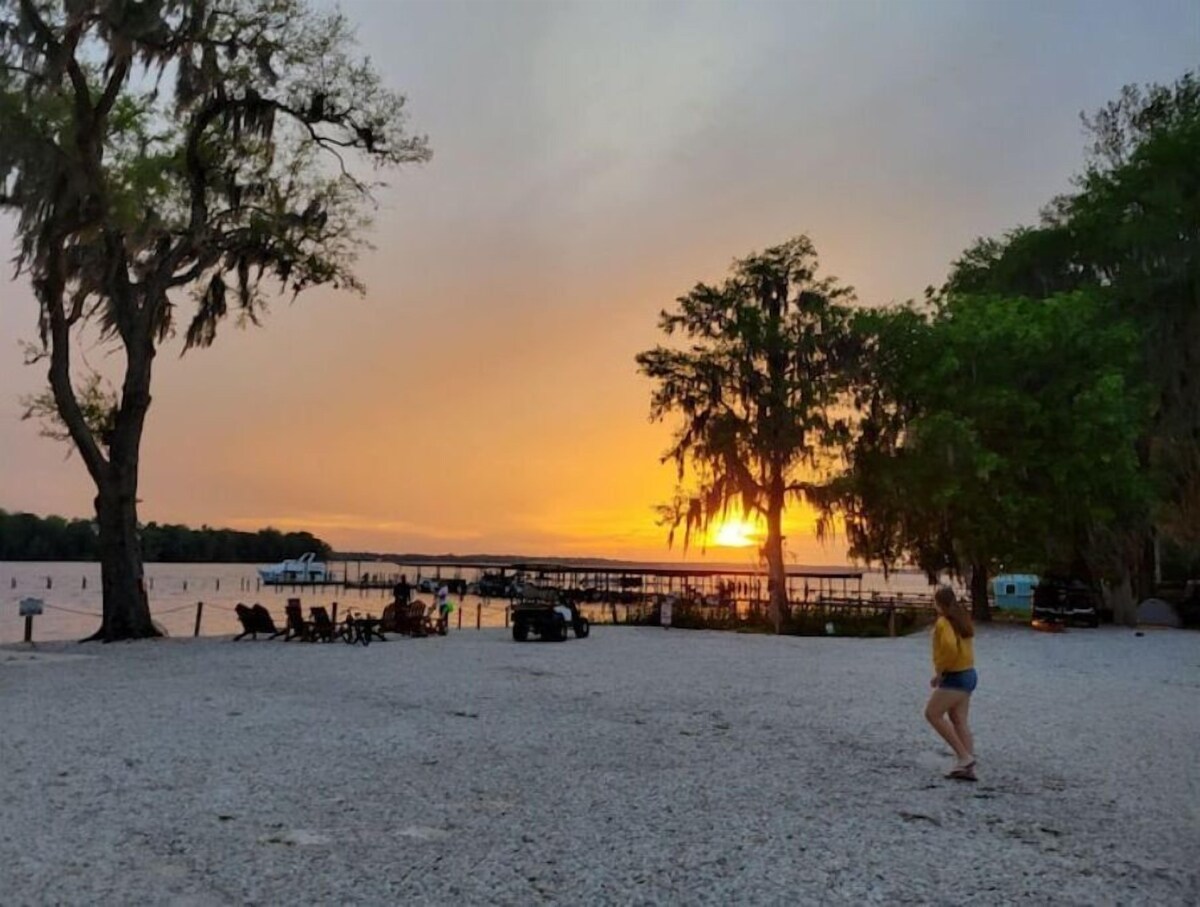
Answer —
545 613
1061 602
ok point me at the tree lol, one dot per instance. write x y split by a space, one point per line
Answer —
1129 234
167 151
758 389
993 431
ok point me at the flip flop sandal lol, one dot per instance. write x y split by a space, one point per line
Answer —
966 773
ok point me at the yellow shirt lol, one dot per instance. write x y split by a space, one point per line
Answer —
950 653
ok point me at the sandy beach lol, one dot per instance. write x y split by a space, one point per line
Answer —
637 766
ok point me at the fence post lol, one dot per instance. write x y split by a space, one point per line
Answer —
892 620
29 628
333 618
506 609
199 613
460 610
478 615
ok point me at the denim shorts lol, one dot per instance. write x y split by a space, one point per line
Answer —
959 680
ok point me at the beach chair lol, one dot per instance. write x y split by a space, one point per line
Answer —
405 618
390 620
297 627
255 620
409 619
401 619
323 627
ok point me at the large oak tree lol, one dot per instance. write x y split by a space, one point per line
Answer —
170 162
993 433
1045 413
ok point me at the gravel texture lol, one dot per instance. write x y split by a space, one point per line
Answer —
637 766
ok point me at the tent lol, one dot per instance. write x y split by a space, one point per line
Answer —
1158 613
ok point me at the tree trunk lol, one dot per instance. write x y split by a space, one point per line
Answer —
980 611
1145 581
1121 601
776 576
126 607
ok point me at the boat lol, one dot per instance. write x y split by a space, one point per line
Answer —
304 569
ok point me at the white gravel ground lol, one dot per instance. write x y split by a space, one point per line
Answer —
637 766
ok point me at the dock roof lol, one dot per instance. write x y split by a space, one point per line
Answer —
617 568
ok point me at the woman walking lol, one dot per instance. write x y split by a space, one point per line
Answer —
953 681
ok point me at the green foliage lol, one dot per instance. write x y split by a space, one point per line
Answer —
1130 235
97 406
25 537
810 620
994 431
1094 437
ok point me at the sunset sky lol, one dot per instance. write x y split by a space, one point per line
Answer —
591 162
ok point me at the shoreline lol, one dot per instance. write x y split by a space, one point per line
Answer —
72 597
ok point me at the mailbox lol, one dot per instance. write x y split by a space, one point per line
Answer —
30 607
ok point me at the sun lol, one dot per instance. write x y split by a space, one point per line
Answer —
734 534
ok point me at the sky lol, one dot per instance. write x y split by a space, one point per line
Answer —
593 161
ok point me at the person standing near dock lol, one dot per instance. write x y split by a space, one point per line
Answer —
444 606
402 591
953 681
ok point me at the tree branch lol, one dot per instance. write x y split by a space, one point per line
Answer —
51 289
112 89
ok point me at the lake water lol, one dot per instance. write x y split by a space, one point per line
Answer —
71 592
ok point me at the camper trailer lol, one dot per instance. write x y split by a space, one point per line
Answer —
1014 591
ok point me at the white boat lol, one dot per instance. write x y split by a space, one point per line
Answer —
305 569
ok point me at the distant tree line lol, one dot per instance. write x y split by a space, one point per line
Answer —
26 537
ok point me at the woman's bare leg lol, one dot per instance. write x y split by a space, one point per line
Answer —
941 702
959 713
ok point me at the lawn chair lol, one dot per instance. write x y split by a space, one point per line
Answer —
323 626
391 619
297 626
255 620
409 619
